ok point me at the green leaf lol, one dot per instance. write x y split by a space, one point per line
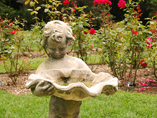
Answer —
32 12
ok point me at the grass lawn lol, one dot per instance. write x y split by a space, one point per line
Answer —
120 105
34 63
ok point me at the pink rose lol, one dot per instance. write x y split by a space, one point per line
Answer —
149 39
148 80
72 10
122 81
141 77
149 45
144 84
142 89
149 87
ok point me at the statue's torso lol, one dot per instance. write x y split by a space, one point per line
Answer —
66 62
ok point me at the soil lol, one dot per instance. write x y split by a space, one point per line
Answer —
143 74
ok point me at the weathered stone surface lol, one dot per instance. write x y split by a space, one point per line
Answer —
72 84
67 79
61 108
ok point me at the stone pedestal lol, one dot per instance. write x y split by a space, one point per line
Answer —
61 108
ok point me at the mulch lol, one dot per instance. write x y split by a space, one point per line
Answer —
143 74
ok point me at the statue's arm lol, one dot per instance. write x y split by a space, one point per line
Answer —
83 65
39 86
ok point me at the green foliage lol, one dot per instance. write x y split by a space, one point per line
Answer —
79 24
24 14
7 10
32 38
11 13
149 6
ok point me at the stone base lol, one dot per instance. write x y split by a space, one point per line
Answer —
61 108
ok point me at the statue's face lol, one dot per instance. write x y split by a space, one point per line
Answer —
57 49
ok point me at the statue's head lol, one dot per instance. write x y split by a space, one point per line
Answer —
57 36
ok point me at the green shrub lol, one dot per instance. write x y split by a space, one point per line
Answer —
11 13
7 10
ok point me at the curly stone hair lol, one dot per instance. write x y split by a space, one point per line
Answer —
57 26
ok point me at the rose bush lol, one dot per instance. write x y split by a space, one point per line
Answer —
124 45
11 46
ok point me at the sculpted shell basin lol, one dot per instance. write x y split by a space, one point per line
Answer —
72 84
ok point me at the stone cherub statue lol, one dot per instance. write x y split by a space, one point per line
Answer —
60 70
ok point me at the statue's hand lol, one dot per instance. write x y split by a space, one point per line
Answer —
109 90
43 88
39 86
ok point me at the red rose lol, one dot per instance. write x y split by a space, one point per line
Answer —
149 45
143 63
10 24
95 2
65 2
85 32
121 4
92 31
134 32
12 32
107 2
153 31
102 2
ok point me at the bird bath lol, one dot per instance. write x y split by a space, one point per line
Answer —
73 84
68 80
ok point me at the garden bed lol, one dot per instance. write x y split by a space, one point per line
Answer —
142 75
